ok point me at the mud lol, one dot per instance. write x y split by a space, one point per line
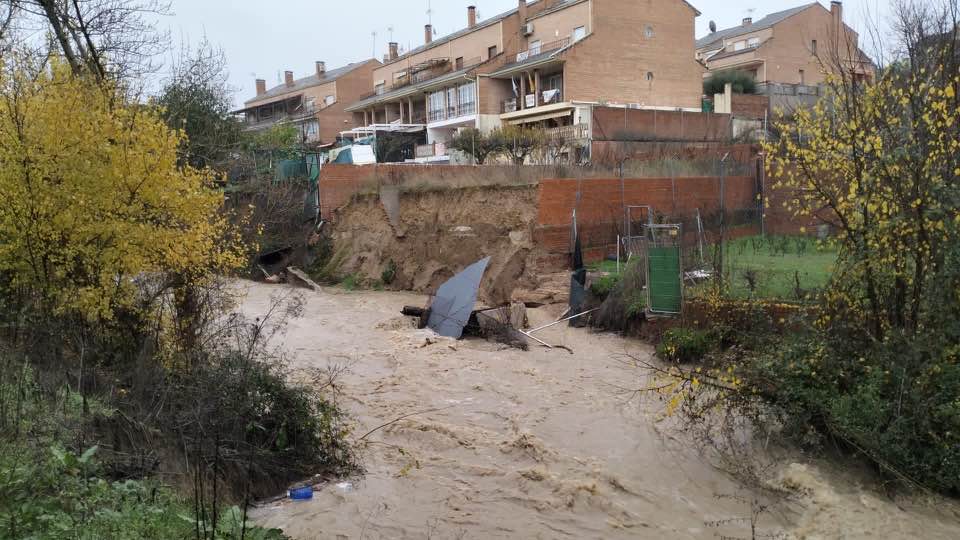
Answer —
538 444
431 235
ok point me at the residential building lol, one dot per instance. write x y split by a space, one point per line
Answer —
544 63
792 47
314 104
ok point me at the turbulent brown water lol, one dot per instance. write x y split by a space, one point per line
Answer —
537 444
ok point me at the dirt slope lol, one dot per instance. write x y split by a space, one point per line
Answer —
437 233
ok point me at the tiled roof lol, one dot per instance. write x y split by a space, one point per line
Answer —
307 82
716 38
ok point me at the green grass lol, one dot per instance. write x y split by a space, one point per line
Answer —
609 267
775 264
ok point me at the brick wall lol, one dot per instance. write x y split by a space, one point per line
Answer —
611 153
599 211
622 124
612 63
749 106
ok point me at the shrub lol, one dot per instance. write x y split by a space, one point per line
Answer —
389 273
685 345
604 285
743 82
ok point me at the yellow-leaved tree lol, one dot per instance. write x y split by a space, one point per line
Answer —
94 200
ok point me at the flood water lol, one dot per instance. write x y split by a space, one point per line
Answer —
536 444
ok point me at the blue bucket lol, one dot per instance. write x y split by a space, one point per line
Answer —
301 494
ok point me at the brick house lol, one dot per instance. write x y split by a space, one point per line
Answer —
314 104
544 63
791 47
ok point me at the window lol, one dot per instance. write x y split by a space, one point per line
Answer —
452 102
813 47
648 31
803 77
467 98
753 42
310 131
491 51
329 100
650 76
458 63
579 33
436 106
535 47
380 87
740 45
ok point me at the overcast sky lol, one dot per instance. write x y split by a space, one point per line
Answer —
262 39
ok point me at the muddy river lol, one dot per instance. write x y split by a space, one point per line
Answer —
536 444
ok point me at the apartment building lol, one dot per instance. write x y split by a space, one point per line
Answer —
543 63
315 104
787 47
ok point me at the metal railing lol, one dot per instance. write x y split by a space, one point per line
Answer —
570 133
446 113
546 97
544 48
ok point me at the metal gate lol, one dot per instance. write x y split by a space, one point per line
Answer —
635 219
664 269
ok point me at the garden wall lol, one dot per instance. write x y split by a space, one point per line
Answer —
600 217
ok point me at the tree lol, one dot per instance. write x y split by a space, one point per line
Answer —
743 82
108 39
196 99
474 143
95 199
518 143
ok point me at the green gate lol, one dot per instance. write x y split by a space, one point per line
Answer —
664 269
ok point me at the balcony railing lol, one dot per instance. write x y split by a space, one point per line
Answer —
546 97
575 132
544 48
448 113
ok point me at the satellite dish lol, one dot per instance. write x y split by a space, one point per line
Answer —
713 27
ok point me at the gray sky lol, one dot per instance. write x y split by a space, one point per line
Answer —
262 39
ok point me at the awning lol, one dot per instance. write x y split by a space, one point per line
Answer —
540 117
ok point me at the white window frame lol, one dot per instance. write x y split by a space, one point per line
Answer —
535 47
740 45
579 33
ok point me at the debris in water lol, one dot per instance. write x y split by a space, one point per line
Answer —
299 277
451 309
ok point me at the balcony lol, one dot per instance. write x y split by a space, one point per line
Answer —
449 113
576 132
542 49
547 97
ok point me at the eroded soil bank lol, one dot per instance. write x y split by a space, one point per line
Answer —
538 444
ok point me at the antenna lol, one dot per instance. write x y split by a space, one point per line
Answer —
750 11
713 27
429 12
390 29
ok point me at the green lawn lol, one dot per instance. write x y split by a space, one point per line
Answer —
775 265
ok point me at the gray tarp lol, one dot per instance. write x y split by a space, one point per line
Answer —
453 305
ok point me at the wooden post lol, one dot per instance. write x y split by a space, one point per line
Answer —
523 91
536 88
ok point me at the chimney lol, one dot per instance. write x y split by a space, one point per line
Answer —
427 34
836 9
522 11
321 69
288 78
471 16
394 50
747 21
261 87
